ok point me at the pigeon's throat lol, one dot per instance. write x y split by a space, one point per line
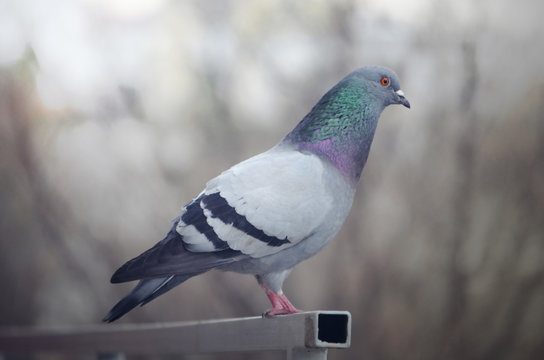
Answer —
349 157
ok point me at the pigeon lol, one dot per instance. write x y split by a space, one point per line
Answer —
266 214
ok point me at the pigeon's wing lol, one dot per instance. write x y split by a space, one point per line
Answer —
170 257
259 207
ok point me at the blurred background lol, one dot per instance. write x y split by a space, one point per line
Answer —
114 114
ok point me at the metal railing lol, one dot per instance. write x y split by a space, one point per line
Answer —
307 335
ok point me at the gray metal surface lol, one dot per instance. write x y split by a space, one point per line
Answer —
304 335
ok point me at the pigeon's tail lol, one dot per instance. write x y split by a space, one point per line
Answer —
161 268
144 292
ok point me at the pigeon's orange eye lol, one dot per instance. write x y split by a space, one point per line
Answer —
384 81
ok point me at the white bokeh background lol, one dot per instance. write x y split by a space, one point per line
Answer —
113 114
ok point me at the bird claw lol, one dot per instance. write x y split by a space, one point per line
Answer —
280 304
280 311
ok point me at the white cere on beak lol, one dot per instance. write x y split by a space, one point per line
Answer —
399 92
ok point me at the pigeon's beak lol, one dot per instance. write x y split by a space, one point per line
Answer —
401 99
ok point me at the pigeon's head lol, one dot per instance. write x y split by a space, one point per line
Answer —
341 126
382 83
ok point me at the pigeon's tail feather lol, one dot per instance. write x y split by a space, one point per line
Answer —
161 268
167 286
144 292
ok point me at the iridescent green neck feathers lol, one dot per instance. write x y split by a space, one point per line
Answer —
341 126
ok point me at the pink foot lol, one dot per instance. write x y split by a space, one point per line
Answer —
280 304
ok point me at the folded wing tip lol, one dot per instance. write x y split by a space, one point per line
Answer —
115 279
121 275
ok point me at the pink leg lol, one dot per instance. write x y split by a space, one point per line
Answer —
280 304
